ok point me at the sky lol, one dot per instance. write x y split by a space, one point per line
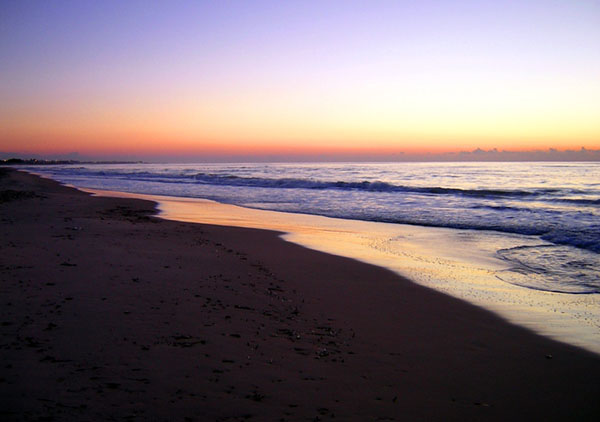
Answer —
160 79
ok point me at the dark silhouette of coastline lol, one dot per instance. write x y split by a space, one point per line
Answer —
35 161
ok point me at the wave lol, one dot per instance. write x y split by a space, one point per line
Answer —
369 186
548 195
507 208
298 183
579 201
588 240
555 225
544 267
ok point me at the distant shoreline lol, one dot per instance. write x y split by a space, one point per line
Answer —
36 162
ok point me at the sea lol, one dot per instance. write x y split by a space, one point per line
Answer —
538 224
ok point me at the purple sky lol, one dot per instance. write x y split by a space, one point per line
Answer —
177 78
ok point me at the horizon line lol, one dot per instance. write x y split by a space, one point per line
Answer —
492 155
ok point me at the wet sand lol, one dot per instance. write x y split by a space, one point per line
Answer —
108 312
460 263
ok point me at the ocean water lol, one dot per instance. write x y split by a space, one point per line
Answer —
553 207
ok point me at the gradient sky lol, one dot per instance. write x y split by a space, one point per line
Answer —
249 77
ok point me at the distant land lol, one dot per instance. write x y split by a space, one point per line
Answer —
35 161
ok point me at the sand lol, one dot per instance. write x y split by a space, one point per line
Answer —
460 263
108 312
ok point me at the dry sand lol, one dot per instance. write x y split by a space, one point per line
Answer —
109 313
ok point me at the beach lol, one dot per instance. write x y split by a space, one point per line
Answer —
109 312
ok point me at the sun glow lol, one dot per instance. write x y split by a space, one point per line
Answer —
336 79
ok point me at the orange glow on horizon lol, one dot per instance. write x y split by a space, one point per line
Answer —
207 78
245 127
148 145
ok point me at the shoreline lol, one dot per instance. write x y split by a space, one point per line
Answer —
110 312
459 263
